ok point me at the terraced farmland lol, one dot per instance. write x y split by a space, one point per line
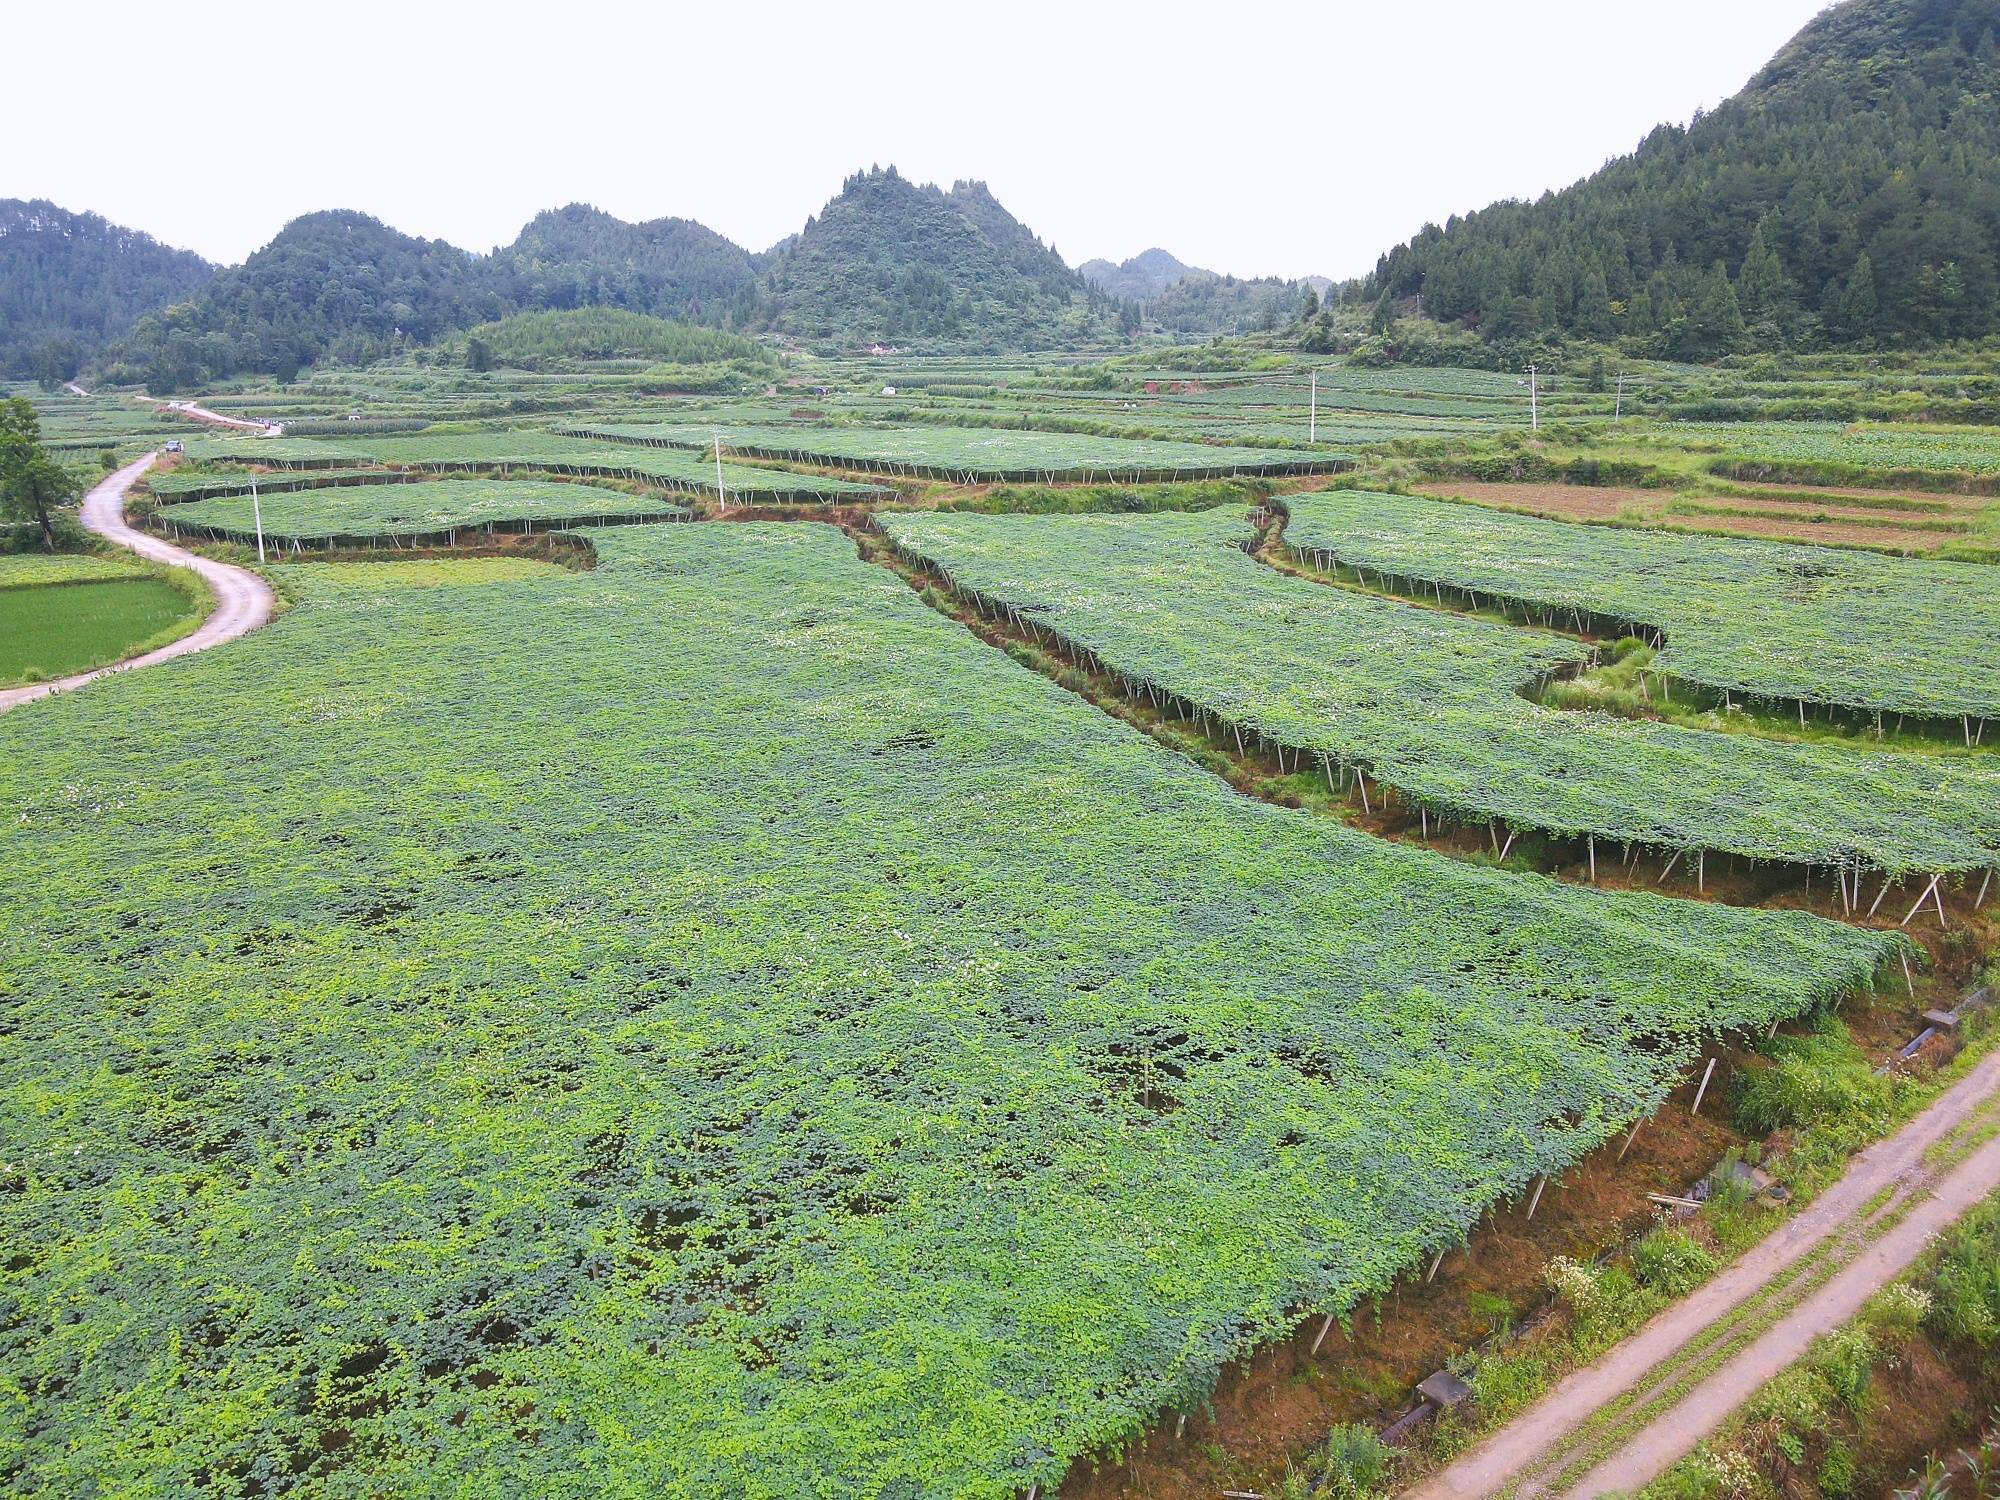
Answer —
438 508
972 453
1431 703
473 1027
448 452
1781 623
1829 447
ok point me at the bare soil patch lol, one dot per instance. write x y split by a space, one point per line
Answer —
1578 502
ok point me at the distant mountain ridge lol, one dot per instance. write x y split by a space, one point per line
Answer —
885 262
1177 298
1140 279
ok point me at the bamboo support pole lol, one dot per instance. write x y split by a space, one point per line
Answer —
1920 901
1702 1092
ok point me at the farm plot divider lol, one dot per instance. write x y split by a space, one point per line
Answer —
1256 462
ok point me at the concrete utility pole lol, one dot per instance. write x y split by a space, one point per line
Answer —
721 499
1312 423
257 514
1534 403
1618 411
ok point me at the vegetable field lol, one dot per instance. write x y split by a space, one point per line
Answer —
973 453
200 484
438 508
1889 449
1431 703
473 1028
446 452
1786 624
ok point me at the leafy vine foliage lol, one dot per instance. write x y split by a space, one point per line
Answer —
475 1033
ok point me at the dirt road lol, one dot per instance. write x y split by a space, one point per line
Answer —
243 601
203 414
1540 1451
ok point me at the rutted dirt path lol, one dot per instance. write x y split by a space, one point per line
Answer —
203 414
243 601
1868 1228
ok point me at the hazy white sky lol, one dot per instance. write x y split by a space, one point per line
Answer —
1250 137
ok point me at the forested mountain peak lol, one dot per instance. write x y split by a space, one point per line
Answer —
1850 195
1141 278
70 281
580 256
337 282
891 261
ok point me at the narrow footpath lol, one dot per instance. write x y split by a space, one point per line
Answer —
243 601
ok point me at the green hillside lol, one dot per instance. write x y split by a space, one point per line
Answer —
71 281
1849 196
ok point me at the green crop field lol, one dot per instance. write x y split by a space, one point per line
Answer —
429 508
972 453
543 451
1431 703
1774 621
22 570
82 612
473 1033
1888 449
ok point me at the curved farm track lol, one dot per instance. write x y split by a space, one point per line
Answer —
1618 1424
243 601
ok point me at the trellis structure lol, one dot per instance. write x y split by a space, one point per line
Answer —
1790 626
972 454
435 510
712 1015
1432 704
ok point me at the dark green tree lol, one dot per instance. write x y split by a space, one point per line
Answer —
32 485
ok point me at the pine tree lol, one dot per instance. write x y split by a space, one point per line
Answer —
1858 304
1762 288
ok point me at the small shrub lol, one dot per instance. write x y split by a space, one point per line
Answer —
1965 1301
1671 1263
1817 1079
1575 1284
1357 1462
1836 1472
1496 1312
1845 1361
1902 1307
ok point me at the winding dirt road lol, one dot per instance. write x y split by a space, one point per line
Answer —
243 601
1853 1240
